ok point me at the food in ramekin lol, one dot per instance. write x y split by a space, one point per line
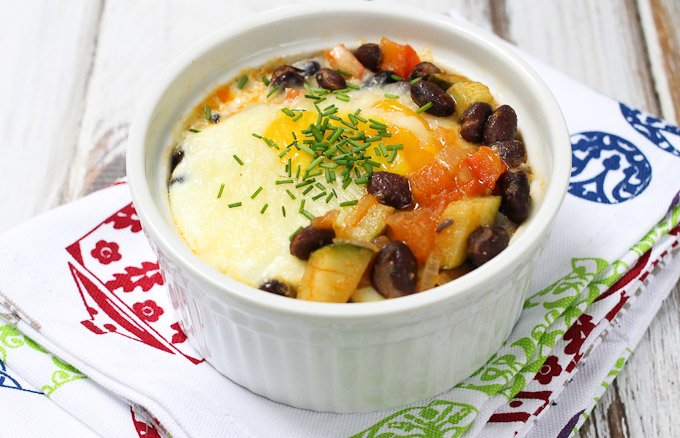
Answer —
349 176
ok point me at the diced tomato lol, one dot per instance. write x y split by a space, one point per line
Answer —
223 93
343 59
327 221
431 181
487 166
416 228
397 57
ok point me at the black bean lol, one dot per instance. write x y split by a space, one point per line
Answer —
369 55
330 79
501 125
287 76
176 158
485 243
307 68
512 152
390 189
473 120
309 239
380 79
395 270
442 104
423 70
515 202
276 287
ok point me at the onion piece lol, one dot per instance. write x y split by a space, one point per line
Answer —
428 275
366 295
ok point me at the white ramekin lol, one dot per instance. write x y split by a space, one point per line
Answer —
347 357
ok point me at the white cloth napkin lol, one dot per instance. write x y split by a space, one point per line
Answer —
98 335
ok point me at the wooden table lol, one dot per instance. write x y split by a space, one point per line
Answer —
73 71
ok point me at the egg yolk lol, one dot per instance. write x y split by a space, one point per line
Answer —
284 130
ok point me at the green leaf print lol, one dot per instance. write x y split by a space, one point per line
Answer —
439 419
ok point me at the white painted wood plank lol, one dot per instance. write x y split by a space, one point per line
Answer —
597 42
46 49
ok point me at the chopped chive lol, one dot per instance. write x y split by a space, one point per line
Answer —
304 183
307 190
257 192
302 206
292 196
424 108
376 150
194 130
320 195
256 135
396 77
297 172
272 91
362 180
284 152
265 80
344 73
207 112
377 123
283 181
391 96
346 183
349 125
383 149
283 211
320 186
348 203
242 81
238 160
307 149
264 208
292 236
329 165
329 197
416 80
234 205
297 117
219 194
393 155
342 97
307 214
289 167
288 112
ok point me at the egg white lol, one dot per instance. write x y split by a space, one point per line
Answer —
244 244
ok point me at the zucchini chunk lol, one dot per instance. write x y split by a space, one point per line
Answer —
467 215
333 273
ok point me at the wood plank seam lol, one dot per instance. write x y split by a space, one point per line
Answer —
73 167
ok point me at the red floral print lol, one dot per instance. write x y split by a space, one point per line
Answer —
178 337
106 252
578 333
148 310
124 218
146 277
549 370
